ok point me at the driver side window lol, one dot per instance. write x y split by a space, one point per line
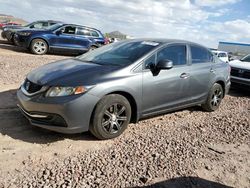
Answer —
69 30
175 53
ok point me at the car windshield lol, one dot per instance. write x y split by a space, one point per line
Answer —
28 25
54 27
222 55
120 53
246 58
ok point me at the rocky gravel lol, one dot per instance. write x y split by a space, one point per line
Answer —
167 146
188 148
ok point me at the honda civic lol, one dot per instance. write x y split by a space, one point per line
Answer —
104 90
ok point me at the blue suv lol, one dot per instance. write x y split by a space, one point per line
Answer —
60 37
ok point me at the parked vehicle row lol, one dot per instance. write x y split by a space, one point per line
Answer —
222 55
9 31
48 36
240 72
6 23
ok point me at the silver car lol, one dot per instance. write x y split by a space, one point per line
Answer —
106 89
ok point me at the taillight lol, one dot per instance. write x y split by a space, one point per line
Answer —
106 41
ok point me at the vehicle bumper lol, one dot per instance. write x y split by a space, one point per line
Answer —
68 115
9 35
227 88
3 35
240 81
22 41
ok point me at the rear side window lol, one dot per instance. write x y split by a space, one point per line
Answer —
52 23
83 31
175 53
222 55
200 55
94 34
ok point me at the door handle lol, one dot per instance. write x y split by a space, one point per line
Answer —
184 75
212 70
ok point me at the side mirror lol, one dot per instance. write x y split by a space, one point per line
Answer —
58 32
164 64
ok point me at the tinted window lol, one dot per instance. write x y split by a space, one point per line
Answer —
37 25
69 30
200 55
82 31
52 23
176 53
222 55
150 60
246 58
94 34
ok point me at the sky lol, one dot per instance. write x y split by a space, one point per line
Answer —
204 21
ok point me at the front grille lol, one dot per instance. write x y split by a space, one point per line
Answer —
31 87
242 73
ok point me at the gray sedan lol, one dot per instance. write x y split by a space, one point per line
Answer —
106 89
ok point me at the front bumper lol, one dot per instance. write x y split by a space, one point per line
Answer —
22 41
240 81
3 34
68 115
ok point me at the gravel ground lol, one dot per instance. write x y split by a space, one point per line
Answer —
188 148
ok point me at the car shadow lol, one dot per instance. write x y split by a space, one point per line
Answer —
237 91
16 126
187 182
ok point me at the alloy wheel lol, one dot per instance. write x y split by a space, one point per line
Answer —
40 47
114 118
216 97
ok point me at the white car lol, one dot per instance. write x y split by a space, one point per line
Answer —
223 56
240 71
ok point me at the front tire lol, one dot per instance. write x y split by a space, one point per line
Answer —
39 47
214 98
110 117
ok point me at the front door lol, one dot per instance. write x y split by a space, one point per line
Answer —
168 88
64 40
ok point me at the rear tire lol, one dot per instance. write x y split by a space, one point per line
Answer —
110 117
214 98
92 48
39 46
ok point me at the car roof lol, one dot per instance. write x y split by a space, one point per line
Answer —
166 41
49 21
77 25
219 51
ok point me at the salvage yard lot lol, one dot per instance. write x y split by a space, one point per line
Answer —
213 147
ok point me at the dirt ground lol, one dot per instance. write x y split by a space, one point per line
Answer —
199 149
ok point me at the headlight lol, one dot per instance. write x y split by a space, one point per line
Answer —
24 33
65 91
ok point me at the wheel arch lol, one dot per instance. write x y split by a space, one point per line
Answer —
222 83
132 102
47 42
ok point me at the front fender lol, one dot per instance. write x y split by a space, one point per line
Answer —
38 36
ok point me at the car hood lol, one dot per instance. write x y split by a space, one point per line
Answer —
240 64
70 72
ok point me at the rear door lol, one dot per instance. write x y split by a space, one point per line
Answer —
201 72
82 38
